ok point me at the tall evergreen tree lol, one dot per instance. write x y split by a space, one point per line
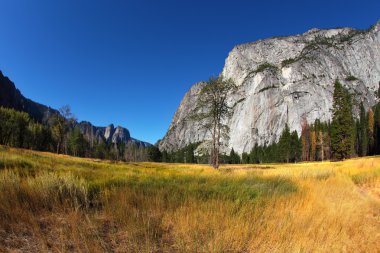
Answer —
234 157
321 145
154 154
313 145
245 158
165 156
13 126
342 127
76 142
189 153
120 148
305 140
285 144
370 131
363 132
253 155
295 147
376 127
357 137
101 150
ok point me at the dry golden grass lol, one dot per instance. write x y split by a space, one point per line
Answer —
55 203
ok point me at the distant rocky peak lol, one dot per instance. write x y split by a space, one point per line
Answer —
120 135
109 132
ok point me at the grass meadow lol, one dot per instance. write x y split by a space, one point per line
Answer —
56 203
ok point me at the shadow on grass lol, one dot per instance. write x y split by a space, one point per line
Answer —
182 187
18 163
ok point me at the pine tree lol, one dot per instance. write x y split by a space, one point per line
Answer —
363 132
234 157
76 142
376 127
120 148
245 158
285 144
253 155
154 154
189 153
101 150
313 145
370 130
305 140
165 157
317 128
357 138
321 145
212 110
13 126
295 147
342 127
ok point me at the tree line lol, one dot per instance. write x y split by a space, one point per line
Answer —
62 135
342 137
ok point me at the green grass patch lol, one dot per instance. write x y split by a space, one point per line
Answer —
367 177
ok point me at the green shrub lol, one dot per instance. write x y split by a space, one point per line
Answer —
264 66
267 88
288 61
351 78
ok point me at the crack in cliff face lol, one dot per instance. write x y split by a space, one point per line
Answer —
295 74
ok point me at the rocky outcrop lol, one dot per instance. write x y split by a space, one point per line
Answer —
109 134
283 80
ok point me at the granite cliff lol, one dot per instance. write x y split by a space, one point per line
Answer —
283 80
109 134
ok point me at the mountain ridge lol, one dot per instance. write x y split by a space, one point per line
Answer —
11 97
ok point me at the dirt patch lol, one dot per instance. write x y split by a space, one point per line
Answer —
20 239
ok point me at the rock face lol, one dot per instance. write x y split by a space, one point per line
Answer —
283 80
108 134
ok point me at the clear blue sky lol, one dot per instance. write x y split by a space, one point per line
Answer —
130 62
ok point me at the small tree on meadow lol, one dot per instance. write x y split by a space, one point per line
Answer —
60 125
212 110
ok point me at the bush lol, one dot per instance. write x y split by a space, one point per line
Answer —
288 61
351 78
264 66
